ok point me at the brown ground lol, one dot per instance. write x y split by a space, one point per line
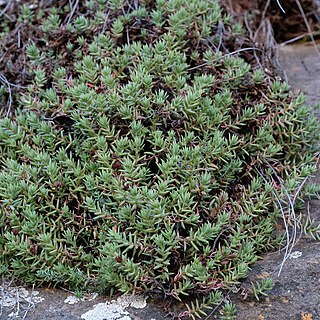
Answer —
286 25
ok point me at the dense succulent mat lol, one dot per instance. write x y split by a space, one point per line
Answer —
142 157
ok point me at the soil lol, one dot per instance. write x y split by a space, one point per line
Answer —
288 18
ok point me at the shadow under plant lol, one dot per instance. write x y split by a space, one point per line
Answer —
144 157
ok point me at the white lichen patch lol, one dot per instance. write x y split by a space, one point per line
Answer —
73 299
295 255
10 296
115 309
18 299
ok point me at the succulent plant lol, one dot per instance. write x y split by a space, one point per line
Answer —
141 158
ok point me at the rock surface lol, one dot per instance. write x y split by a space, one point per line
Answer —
300 64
